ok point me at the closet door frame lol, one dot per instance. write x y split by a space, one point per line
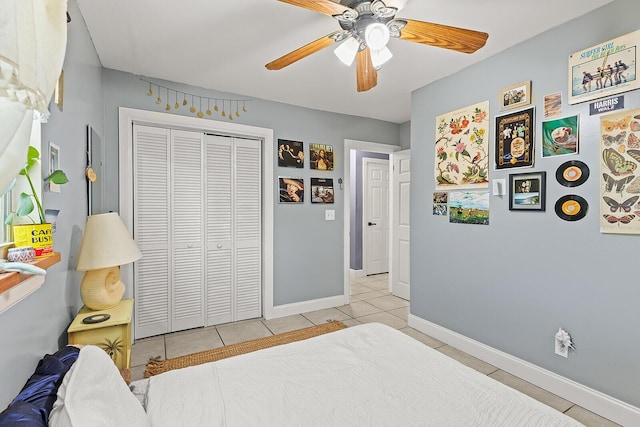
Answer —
128 116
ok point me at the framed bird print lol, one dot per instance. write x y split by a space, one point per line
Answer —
514 139
620 176
462 148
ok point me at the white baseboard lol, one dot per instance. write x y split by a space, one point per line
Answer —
590 399
354 274
307 306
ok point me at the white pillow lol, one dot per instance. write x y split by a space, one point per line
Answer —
93 393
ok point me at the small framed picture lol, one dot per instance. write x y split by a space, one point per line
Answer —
291 190
515 96
527 191
290 154
514 139
322 190
54 164
321 157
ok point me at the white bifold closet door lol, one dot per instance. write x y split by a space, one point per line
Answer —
197 221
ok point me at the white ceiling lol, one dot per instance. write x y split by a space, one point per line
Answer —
224 45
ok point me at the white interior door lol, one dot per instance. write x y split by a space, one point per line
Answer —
400 224
375 216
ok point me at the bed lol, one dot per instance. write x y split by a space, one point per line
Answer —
369 375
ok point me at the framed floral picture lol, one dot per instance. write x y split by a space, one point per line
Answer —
514 139
462 148
515 96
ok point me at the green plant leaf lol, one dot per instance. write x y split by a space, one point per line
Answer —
25 207
32 156
8 220
57 177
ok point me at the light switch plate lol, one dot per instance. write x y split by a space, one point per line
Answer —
330 215
499 186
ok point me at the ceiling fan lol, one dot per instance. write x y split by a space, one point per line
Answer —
366 28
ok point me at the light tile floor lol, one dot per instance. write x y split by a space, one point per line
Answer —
370 302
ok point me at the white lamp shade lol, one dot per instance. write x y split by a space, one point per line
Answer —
376 35
347 51
106 243
379 57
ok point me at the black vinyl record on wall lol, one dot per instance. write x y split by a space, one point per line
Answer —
571 207
572 173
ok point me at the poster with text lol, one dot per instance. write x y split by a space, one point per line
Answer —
605 69
462 148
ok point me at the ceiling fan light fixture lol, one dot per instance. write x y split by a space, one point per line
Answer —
380 57
347 51
376 36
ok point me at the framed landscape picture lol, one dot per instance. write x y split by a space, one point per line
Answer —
514 139
527 191
290 154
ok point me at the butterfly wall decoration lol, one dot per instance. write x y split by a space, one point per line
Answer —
617 163
611 125
625 219
625 206
634 186
619 184
633 141
608 140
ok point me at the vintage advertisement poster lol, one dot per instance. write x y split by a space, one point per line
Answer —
514 139
620 177
605 69
462 148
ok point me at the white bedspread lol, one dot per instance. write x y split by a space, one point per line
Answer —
368 375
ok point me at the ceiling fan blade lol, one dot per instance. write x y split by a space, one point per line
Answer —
454 38
323 6
366 75
302 52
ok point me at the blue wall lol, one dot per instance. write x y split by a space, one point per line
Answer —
512 284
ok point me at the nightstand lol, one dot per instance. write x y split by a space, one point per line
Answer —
113 335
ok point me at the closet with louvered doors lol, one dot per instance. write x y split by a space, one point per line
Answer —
197 221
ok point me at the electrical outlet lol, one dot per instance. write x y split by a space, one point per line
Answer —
562 349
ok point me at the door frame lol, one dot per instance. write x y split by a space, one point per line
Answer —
352 144
365 210
126 119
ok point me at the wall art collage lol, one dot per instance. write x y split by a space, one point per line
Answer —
461 167
291 154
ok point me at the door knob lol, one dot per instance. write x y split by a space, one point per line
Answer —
372 223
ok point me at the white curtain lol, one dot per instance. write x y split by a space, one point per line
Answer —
33 38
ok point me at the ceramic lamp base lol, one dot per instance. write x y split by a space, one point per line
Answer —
101 289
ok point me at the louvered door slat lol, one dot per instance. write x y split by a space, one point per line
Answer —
187 208
248 231
151 230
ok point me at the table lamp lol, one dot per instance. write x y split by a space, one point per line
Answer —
106 245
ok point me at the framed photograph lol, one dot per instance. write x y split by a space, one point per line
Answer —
440 200
605 69
291 190
527 191
321 157
515 96
54 164
514 139
322 190
560 136
462 148
290 154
